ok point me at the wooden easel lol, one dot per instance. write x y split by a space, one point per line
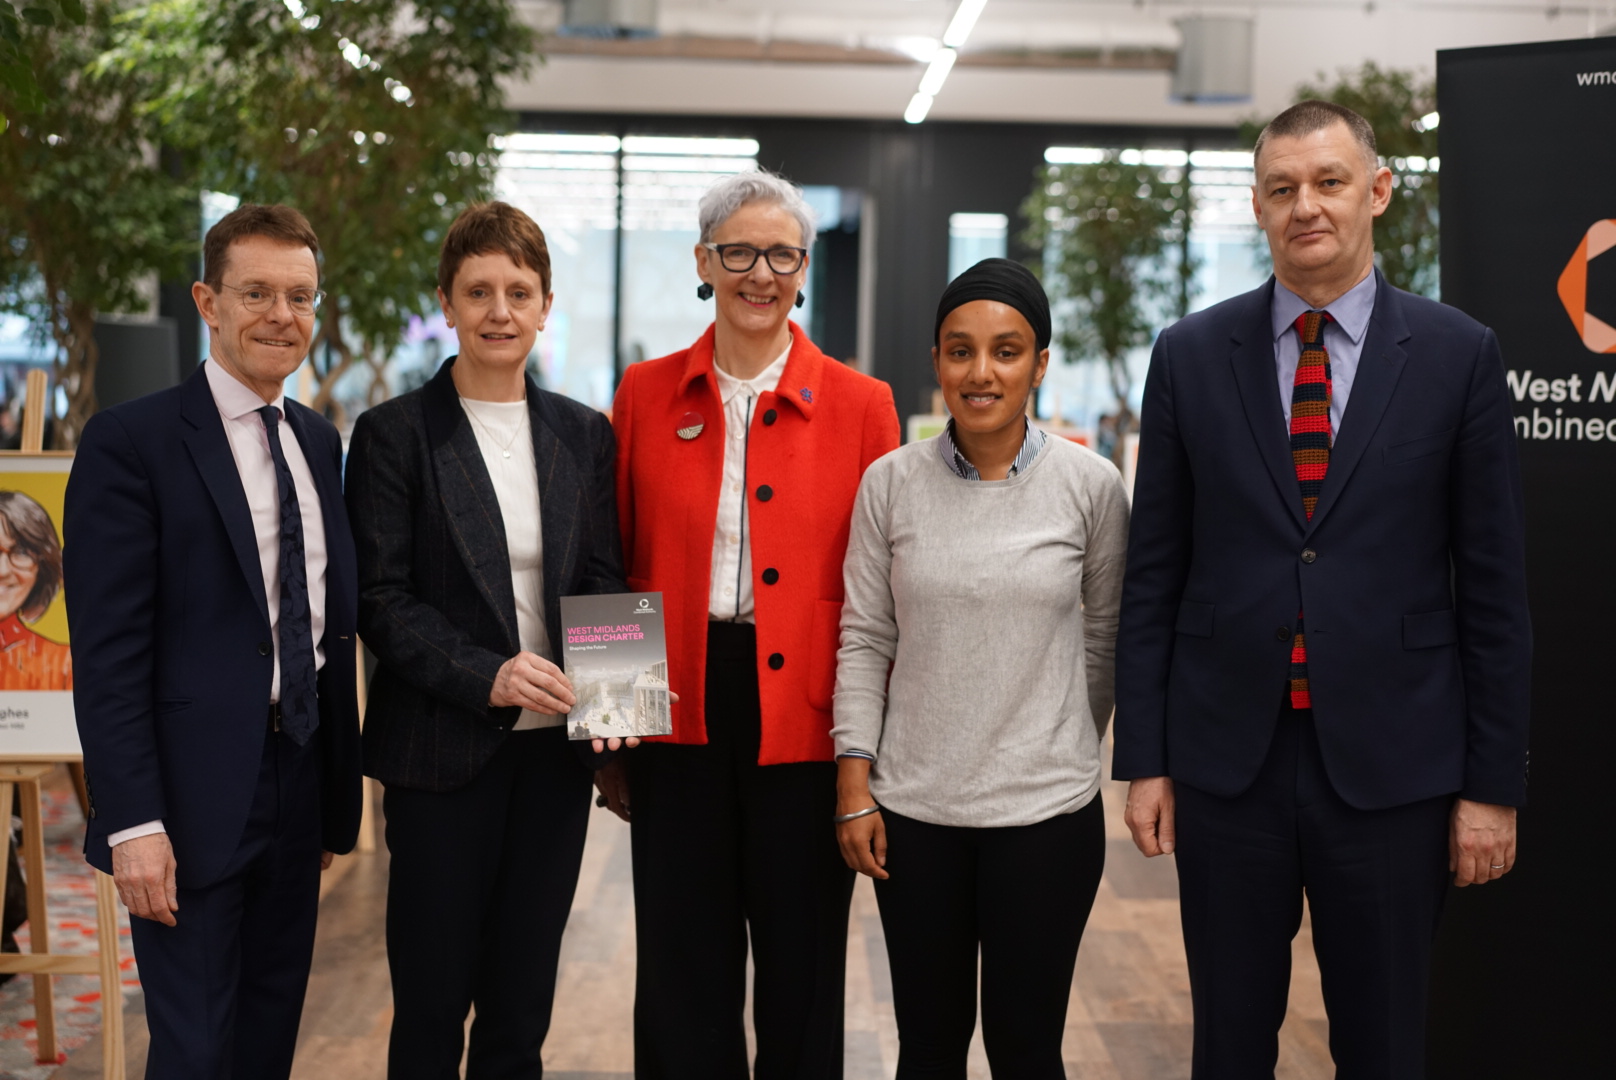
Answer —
20 776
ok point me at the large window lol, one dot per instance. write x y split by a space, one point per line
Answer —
569 184
974 237
663 181
620 215
1224 242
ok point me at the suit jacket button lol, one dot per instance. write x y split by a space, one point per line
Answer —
1283 634
770 576
263 648
776 661
769 417
1308 555
765 493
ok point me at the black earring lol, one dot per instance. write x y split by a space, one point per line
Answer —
801 299
704 291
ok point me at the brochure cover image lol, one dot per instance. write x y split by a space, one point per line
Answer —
617 659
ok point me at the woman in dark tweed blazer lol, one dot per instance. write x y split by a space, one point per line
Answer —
477 502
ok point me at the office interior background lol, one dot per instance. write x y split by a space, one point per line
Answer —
634 107
919 156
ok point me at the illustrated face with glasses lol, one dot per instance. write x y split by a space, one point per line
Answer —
754 265
19 570
261 316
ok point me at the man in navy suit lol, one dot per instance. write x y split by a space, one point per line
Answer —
212 612
1323 665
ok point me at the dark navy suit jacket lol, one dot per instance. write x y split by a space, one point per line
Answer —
1411 571
170 629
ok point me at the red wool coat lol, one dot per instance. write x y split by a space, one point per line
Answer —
809 445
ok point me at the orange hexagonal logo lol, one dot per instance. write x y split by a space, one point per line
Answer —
1598 335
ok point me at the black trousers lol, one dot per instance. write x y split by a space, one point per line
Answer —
224 986
1022 896
723 846
1374 881
481 883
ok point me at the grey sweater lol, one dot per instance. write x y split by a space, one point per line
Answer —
995 604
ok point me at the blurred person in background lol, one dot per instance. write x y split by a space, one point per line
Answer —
738 461
479 500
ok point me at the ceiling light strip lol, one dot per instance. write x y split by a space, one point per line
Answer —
964 21
954 38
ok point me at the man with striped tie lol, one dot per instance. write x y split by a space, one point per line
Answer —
1324 659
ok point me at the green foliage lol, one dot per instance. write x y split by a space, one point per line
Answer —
374 119
1393 101
1115 259
87 217
18 80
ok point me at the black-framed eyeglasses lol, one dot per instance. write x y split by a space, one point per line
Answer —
261 298
739 258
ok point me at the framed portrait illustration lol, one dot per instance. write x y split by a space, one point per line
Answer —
36 666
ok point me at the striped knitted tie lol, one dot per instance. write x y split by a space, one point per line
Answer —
1310 451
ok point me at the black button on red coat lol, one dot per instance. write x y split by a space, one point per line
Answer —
765 493
770 576
776 661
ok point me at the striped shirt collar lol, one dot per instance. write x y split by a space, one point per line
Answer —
1031 443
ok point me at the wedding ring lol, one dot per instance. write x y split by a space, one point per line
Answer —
1497 866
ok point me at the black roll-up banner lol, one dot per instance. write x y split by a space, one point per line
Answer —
1525 979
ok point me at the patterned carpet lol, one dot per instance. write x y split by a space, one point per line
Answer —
71 906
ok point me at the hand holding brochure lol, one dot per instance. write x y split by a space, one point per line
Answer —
617 660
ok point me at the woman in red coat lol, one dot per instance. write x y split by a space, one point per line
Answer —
738 461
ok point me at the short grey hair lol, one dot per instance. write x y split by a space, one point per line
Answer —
732 192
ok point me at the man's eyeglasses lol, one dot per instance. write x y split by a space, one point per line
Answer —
739 258
260 298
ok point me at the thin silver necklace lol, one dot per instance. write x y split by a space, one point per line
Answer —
504 449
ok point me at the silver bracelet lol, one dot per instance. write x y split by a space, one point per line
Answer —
843 819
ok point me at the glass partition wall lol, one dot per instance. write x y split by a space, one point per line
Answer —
620 217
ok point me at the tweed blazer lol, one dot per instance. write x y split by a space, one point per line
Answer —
435 599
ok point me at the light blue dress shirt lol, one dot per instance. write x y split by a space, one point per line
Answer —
1343 340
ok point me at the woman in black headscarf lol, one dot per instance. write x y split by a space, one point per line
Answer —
984 572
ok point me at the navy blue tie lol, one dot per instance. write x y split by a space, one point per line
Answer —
300 704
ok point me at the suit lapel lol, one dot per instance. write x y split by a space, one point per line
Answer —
1253 362
469 502
1380 365
209 448
560 505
